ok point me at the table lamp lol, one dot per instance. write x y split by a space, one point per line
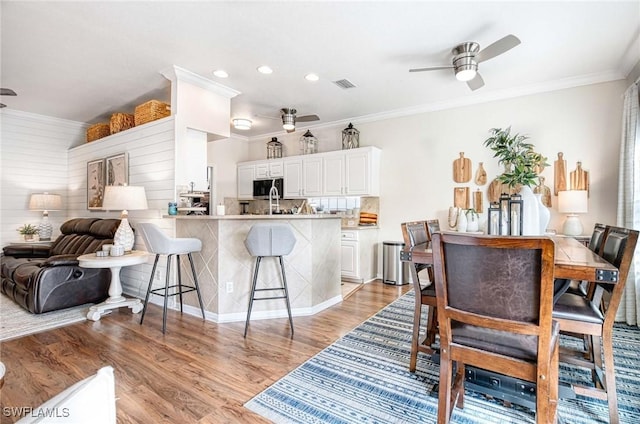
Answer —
45 202
572 202
126 198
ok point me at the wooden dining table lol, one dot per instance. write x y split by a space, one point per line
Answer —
573 260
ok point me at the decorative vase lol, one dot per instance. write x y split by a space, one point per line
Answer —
462 222
544 214
472 221
28 237
530 212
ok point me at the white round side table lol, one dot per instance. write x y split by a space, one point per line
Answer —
115 264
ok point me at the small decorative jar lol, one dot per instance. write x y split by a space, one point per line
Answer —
173 208
308 144
350 138
274 149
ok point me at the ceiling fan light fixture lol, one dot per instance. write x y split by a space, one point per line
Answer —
242 124
466 73
288 122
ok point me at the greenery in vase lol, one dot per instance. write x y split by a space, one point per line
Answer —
517 156
28 230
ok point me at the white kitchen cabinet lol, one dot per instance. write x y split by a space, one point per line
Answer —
269 169
350 257
302 177
246 175
354 172
358 254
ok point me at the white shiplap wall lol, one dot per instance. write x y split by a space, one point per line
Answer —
151 156
33 158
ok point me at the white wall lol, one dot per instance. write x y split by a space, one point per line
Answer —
33 159
418 150
224 155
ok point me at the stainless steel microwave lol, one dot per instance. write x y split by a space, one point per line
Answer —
261 188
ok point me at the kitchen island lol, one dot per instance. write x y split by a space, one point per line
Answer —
225 268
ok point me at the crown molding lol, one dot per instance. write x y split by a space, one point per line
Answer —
175 73
34 117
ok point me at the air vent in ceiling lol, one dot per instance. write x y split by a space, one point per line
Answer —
344 84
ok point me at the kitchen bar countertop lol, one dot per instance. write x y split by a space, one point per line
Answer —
237 217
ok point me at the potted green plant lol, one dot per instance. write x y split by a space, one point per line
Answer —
521 167
28 231
517 156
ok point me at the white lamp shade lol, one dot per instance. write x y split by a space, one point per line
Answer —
573 201
45 202
124 198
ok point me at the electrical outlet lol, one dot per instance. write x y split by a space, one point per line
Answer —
229 286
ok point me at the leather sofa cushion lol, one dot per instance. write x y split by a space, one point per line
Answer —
81 236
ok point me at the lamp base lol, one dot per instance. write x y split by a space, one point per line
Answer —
44 228
572 226
124 235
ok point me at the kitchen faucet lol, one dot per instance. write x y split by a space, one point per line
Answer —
273 192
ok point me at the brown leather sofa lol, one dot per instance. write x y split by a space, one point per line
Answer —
48 278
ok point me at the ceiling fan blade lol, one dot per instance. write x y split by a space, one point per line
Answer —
2 105
307 118
433 68
501 46
476 82
7 92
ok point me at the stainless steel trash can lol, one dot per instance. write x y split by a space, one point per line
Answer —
394 271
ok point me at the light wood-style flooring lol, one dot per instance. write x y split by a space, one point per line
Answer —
199 372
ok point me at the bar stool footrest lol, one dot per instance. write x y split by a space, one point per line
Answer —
162 289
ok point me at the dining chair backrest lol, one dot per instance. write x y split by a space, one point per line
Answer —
596 237
433 226
414 233
617 248
494 311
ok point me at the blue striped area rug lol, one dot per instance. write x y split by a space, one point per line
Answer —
364 378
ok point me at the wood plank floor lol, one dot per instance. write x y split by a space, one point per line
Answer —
199 372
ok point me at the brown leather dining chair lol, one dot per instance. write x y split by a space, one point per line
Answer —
414 233
495 299
591 316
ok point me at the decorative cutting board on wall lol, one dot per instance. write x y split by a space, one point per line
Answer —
462 169
481 175
461 197
559 174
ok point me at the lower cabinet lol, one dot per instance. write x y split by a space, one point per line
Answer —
358 253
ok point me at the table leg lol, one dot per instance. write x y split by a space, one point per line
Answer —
115 300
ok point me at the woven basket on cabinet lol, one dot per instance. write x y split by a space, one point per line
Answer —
150 111
97 131
120 122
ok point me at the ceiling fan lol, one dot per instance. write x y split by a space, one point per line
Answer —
289 119
467 56
6 92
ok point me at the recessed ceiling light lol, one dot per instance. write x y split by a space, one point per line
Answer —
242 124
220 73
311 77
264 69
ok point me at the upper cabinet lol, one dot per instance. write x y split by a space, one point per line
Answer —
269 169
354 172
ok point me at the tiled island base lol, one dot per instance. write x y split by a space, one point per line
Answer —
225 268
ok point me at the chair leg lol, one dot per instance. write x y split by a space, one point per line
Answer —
610 375
417 315
445 408
179 281
166 295
286 293
195 283
432 326
146 299
252 294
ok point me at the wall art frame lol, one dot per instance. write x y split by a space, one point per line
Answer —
117 170
95 184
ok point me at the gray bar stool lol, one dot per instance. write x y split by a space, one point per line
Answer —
159 243
269 240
